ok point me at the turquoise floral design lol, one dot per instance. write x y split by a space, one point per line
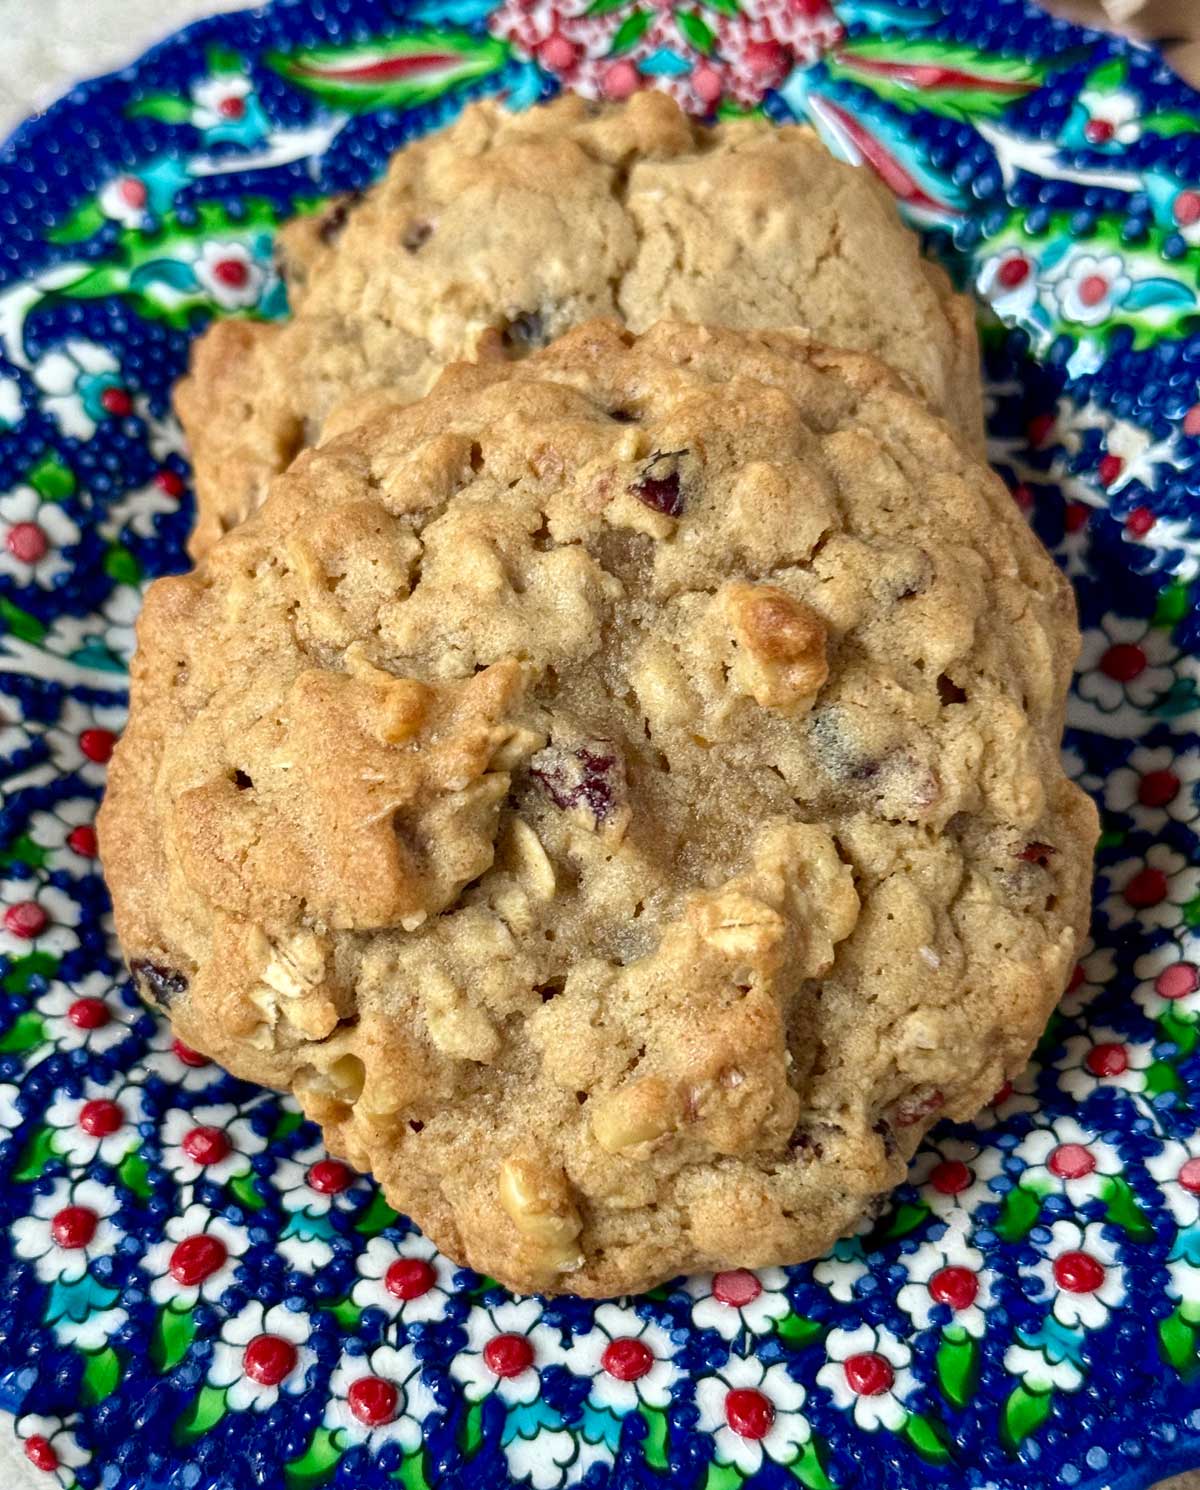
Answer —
311 1186
222 103
81 386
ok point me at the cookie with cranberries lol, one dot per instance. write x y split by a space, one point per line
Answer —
496 235
619 794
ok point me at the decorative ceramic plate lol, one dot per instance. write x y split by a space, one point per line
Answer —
194 1297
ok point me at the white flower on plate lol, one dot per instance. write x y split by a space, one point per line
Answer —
1152 888
310 1185
949 1273
67 1229
843 1265
507 1347
220 99
67 832
1176 1172
307 1253
867 1371
753 1412
1183 1283
1088 289
10 1112
260 1354
1103 1058
1080 1272
1169 978
1125 663
89 1012
14 736
83 738
1157 784
954 1176
197 1258
230 274
314 1184
1095 967
738 1300
1112 116
164 436
409 1280
546 1456
213 1143
125 199
50 1446
12 410
75 379
178 1065
1064 1158
627 1359
33 535
380 1398
93 1331
1009 280
101 1123
120 612
138 508
1041 1368
36 918
1016 1096
1076 769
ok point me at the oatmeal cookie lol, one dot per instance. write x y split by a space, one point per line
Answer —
503 231
619 794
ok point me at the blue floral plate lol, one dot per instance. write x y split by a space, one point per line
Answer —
194 1297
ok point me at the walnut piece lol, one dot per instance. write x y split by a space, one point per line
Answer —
537 1199
780 659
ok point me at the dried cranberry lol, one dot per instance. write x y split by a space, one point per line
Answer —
1036 853
335 219
802 1142
162 985
658 485
416 235
918 1105
884 1129
590 776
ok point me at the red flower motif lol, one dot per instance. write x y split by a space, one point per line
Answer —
738 56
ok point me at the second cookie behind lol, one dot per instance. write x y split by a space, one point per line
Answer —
502 232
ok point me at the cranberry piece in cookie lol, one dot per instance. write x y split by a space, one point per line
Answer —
658 486
589 778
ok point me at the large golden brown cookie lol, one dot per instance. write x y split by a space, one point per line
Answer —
507 229
619 794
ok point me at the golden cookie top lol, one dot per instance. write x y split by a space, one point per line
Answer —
619 793
498 234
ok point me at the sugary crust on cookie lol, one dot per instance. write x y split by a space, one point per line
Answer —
619 794
504 230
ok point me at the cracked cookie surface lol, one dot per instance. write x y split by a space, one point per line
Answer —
501 232
619 794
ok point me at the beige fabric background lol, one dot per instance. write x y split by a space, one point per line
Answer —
45 45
